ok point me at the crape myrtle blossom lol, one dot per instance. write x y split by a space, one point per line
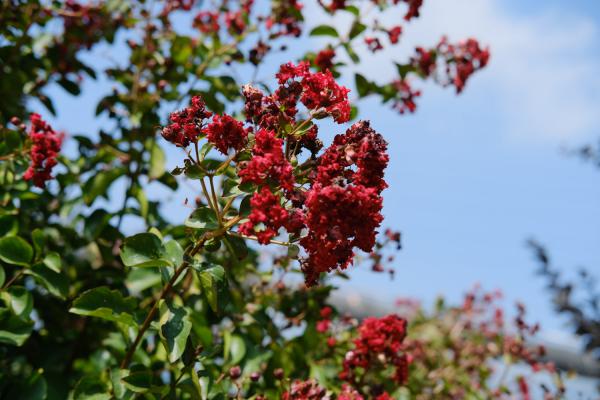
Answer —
332 203
378 346
45 146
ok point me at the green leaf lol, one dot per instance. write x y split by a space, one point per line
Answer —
45 100
69 86
52 261
175 327
107 304
202 218
174 252
357 29
99 184
352 9
324 30
363 86
212 281
2 276
293 251
404 69
56 283
14 330
234 348
142 200
157 162
8 225
15 250
237 246
119 389
39 241
181 50
91 388
144 250
34 387
140 279
139 381
351 53
245 207
19 300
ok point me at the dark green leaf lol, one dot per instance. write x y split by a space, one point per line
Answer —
56 283
52 261
107 304
212 281
99 184
14 330
69 86
175 327
15 250
357 29
363 86
202 218
324 30
237 246
91 388
157 162
19 300
144 250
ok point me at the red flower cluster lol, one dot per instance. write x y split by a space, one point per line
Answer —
207 22
349 393
225 132
186 125
406 95
462 60
85 24
324 59
305 390
268 163
373 44
394 34
413 8
324 324
317 91
379 345
172 5
286 15
267 210
344 205
44 149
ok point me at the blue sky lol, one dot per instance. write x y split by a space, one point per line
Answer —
472 177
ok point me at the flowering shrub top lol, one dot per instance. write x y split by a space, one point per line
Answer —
190 310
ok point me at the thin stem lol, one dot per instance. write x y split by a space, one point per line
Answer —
12 280
279 242
205 192
227 206
214 197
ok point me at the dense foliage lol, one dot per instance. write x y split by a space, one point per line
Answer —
192 311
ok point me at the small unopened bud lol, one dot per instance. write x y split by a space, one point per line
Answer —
15 121
255 376
278 373
235 372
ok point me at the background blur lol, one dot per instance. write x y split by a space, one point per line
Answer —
471 177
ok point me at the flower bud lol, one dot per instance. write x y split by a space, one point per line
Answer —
278 373
235 372
255 376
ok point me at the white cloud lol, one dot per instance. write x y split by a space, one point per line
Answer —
543 72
